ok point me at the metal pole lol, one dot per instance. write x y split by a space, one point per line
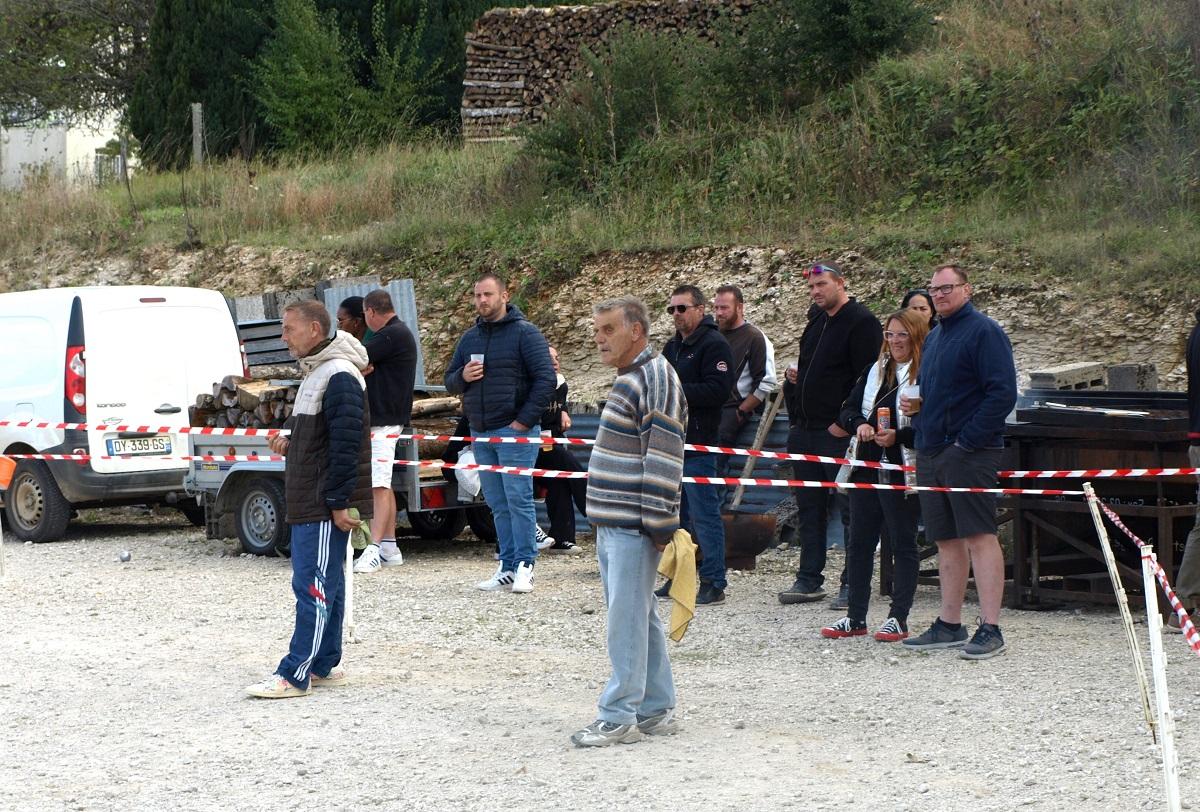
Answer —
349 614
1123 604
1158 666
197 134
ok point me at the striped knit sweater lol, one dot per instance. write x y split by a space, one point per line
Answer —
637 461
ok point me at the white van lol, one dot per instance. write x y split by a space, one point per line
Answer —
105 356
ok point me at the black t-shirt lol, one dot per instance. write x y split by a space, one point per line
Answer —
393 354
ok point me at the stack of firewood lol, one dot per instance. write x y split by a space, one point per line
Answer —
238 402
519 60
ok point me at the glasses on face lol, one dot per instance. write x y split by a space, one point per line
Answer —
944 290
889 335
817 270
673 309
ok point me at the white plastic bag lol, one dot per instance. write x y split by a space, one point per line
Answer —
468 479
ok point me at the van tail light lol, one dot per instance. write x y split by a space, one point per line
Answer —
76 379
245 361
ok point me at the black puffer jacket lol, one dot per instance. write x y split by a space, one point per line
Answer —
518 377
704 364
329 455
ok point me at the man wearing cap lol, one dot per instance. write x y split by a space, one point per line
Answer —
841 338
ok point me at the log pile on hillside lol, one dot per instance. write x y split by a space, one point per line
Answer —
238 402
519 60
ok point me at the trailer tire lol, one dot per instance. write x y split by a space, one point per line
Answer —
438 524
483 524
259 518
35 507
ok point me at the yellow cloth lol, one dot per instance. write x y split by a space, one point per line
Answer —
360 537
679 564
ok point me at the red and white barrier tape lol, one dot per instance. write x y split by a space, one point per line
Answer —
549 474
226 432
1098 473
1101 473
1190 634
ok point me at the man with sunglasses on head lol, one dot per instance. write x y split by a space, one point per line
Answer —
968 387
841 338
703 361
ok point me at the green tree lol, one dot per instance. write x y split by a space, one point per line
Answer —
304 81
199 51
791 50
69 59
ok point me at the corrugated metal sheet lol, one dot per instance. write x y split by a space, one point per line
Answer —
756 500
404 299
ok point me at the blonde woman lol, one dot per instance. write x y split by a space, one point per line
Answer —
870 510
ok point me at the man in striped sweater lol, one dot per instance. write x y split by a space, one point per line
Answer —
633 491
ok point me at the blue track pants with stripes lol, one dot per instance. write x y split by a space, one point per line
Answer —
319 581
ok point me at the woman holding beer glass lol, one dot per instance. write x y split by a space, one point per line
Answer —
871 413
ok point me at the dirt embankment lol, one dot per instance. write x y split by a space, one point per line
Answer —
1050 320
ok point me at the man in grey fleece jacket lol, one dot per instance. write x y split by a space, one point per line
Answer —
634 478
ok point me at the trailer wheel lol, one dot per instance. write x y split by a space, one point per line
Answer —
483 524
438 524
36 509
260 518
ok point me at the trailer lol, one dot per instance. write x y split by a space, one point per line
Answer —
245 498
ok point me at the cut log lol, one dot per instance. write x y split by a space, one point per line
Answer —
431 406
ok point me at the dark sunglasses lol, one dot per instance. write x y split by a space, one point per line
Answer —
817 270
673 309
916 292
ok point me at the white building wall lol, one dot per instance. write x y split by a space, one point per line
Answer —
66 153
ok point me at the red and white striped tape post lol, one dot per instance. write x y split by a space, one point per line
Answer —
1190 634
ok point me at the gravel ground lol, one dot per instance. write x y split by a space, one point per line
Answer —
124 691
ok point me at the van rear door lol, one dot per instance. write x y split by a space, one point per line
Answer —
149 353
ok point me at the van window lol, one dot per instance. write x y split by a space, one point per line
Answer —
30 362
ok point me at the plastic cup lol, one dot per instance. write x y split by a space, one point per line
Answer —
477 357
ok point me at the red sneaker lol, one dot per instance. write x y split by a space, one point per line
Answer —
892 631
845 628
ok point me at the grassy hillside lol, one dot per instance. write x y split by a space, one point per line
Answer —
1051 137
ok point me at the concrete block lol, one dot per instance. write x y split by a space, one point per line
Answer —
250 308
1132 377
277 300
1079 375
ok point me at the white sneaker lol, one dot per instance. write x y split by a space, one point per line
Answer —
542 538
393 559
370 560
501 579
523 578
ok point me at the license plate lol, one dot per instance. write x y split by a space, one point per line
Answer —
140 445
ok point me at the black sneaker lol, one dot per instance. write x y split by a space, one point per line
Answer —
842 601
801 592
939 635
664 592
709 595
987 642
565 548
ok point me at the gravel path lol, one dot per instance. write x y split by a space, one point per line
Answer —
123 691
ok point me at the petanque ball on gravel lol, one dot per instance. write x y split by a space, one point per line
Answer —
124 556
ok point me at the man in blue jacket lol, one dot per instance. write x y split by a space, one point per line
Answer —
502 369
1187 584
704 363
968 387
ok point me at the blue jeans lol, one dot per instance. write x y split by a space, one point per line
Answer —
700 515
510 496
319 582
641 683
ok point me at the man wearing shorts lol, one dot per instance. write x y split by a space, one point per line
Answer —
393 354
968 387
